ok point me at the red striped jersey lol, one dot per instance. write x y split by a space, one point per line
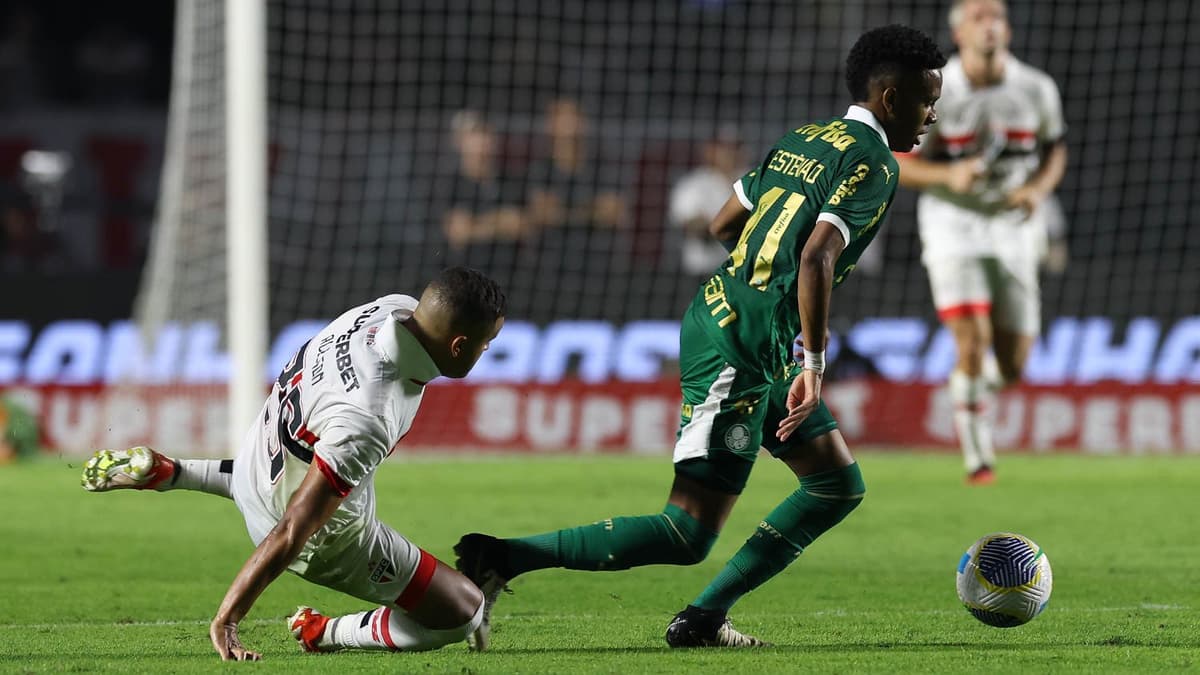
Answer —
1007 124
343 402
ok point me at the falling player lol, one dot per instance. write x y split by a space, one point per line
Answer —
800 220
995 157
303 479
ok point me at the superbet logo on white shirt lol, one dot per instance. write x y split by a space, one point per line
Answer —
343 402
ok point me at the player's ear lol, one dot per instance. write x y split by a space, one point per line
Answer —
457 345
888 97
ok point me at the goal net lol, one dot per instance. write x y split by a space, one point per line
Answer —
566 147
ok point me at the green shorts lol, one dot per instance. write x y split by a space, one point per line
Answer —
727 415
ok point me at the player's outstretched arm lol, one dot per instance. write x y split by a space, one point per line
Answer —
310 508
814 285
959 175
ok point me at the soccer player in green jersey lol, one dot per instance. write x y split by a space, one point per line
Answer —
796 224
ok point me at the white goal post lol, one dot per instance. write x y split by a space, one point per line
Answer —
246 209
215 180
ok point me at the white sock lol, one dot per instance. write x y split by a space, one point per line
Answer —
214 476
387 629
970 395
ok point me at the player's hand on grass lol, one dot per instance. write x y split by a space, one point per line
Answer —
225 640
961 175
802 400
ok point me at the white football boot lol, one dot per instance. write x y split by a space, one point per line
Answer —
694 627
139 468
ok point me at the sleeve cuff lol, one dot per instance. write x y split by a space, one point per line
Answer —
341 487
837 222
741 195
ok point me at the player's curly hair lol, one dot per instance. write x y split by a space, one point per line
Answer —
471 296
893 48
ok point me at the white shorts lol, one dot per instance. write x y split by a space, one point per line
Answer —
372 561
384 568
971 286
951 231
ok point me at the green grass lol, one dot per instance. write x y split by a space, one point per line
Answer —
128 581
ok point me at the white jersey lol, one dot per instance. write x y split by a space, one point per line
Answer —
344 401
1008 125
699 195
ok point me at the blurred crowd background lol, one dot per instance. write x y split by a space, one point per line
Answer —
83 100
573 149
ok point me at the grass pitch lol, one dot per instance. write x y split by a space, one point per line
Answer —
128 581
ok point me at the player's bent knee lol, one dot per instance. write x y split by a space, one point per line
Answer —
469 599
839 491
851 503
449 602
694 540
425 639
702 545
464 604
459 633
473 622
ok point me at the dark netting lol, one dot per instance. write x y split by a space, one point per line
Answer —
371 104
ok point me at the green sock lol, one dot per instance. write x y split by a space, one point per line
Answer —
822 501
672 537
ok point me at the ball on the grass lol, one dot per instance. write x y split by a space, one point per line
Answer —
1004 579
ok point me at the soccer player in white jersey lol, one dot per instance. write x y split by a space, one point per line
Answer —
986 170
303 478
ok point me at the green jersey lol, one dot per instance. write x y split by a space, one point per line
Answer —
838 170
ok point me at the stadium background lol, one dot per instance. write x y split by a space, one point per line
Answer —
363 100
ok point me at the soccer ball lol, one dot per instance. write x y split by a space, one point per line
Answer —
1004 580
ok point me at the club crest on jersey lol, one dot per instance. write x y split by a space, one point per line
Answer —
383 571
737 437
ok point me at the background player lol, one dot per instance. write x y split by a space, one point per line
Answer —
986 170
801 219
303 479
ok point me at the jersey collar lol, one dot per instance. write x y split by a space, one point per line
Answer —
861 114
401 347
